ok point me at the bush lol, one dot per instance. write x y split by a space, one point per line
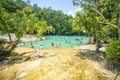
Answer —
2 42
113 51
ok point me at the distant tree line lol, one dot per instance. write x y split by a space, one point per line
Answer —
61 23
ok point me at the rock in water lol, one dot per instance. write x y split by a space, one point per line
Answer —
22 74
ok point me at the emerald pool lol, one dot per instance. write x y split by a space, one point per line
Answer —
57 41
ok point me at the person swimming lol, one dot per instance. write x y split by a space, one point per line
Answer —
41 47
52 44
31 46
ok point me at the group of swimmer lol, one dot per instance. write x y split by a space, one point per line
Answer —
40 47
57 45
52 44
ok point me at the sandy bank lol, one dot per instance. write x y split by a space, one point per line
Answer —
56 64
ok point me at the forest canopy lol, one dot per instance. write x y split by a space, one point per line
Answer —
28 16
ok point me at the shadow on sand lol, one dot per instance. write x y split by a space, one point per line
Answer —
12 58
100 58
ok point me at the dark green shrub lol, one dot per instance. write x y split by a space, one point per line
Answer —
113 51
2 41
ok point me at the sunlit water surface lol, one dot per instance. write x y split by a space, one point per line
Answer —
57 41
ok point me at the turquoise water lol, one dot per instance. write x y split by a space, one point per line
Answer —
58 41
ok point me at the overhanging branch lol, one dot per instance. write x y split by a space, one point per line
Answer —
100 14
105 22
109 24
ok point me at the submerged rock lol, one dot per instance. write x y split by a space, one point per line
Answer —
43 38
22 74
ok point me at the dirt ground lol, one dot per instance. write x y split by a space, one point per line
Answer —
56 64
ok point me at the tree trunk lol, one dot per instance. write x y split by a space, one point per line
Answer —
96 28
94 34
118 33
119 27
14 45
97 46
9 37
5 24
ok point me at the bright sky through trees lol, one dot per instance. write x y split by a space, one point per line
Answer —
65 5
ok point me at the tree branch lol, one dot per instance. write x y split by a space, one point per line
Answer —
109 24
100 14
105 22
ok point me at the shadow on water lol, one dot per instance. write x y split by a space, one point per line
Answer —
100 58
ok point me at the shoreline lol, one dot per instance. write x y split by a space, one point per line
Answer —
27 37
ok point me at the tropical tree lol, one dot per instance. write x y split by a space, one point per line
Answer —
4 17
105 13
20 22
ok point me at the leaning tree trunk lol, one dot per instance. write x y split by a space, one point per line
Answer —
13 46
6 28
9 37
